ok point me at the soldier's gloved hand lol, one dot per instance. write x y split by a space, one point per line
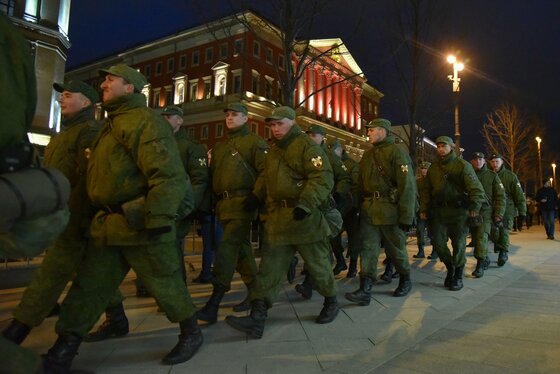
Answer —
337 198
404 227
299 213
155 231
250 203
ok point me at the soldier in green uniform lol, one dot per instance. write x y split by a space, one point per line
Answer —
236 165
451 193
389 193
342 198
68 152
421 224
296 183
516 205
134 160
350 215
194 160
490 213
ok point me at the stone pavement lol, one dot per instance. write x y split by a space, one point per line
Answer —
507 321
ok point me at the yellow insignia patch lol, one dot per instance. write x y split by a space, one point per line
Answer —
202 161
317 161
344 167
404 168
87 152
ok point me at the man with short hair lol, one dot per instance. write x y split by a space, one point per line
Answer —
296 183
136 180
516 205
491 213
451 193
421 224
547 200
388 207
67 151
235 167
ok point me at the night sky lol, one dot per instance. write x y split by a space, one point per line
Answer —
512 49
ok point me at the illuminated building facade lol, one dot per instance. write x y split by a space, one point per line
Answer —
44 23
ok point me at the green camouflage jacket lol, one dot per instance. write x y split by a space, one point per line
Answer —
494 190
515 197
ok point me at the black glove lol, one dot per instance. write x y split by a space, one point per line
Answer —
337 198
156 231
404 227
299 213
475 221
250 203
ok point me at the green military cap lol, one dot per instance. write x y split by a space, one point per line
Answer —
495 155
280 113
78 86
316 129
334 144
444 139
477 155
131 75
379 122
425 165
172 110
237 107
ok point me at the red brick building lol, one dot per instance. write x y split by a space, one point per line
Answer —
204 68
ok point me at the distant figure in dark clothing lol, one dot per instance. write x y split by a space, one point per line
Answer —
547 199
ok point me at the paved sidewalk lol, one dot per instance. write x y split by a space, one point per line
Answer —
507 321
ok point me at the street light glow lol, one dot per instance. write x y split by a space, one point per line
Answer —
538 139
460 66
451 59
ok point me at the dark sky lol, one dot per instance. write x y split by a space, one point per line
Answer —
512 48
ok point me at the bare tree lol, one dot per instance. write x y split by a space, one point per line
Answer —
509 133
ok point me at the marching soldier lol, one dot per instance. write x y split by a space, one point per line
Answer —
388 207
68 152
451 193
296 183
136 180
516 205
490 213
422 223
236 165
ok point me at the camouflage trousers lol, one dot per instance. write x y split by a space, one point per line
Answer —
450 223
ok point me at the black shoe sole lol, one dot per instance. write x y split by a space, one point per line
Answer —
360 302
250 332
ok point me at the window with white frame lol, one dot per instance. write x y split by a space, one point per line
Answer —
182 62
238 47
236 84
256 49
158 68
209 55
148 71
223 51
170 65
219 130
204 132
281 62
207 87
193 90
268 55
195 58
190 132
255 78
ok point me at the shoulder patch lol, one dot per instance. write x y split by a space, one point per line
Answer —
202 161
404 168
317 162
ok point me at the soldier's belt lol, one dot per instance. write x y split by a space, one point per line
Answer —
114 208
230 194
377 195
449 204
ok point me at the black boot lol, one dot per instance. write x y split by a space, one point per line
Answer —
433 256
457 282
291 275
209 312
330 310
252 324
59 358
420 253
190 340
486 263
362 296
502 257
479 271
405 285
353 268
115 325
449 277
305 288
387 275
340 263
16 331
244 305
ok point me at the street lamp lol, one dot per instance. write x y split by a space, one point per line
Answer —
457 67
539 140
554 175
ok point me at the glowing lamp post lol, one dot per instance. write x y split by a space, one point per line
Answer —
457 67
539 140
553 175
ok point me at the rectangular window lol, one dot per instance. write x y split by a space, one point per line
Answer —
257 49
255 84
219 130
267 89
223 51
190 132
255 127
168 97
204 132
268 55
237 83
238 47
7 7
281 62
170 65
195 60
193 91
157 98
267 132
148 71
209 56
183 62
207 89
158 68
